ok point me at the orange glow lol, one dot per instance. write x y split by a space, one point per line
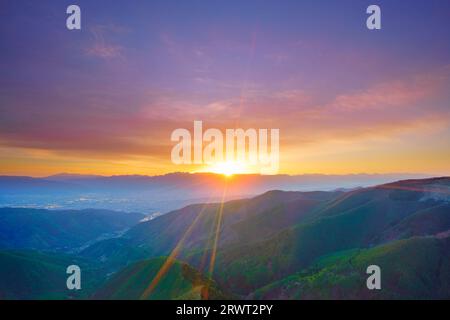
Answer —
228 168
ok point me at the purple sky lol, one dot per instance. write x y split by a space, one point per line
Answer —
106 98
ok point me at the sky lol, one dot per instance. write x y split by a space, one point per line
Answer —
105 99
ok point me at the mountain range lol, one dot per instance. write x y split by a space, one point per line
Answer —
278 245
160 194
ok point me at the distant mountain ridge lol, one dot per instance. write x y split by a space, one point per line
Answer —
151 194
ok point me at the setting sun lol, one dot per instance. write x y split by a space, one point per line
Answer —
228 168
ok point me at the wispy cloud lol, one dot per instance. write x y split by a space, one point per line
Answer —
103 50
101 47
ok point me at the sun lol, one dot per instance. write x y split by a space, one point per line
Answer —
227 168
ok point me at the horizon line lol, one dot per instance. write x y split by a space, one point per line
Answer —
62 174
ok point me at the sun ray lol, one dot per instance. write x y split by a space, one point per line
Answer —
172 257
216 237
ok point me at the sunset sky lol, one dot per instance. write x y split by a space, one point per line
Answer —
105 99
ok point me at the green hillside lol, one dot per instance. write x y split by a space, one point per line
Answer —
246 224
33 275
359 219
417 268
181 281
243 222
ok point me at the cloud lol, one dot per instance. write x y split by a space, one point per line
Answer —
388 95
101 47
112 126
104 51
